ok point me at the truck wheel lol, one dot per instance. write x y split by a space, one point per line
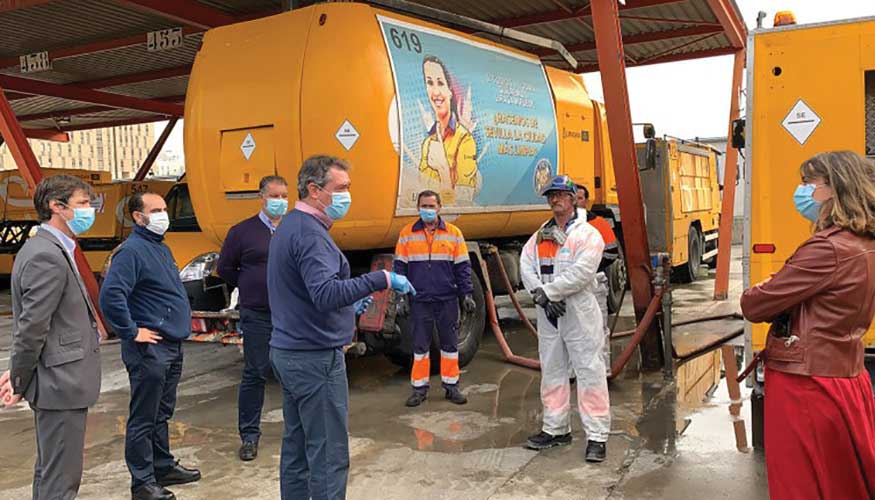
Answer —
689 272
617 279
470 334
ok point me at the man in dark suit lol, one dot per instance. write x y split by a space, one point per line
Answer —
55 362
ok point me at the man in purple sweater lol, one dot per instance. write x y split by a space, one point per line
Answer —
243 265
314 302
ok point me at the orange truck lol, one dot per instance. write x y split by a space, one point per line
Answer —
111 225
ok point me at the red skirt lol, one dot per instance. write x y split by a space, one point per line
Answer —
820 437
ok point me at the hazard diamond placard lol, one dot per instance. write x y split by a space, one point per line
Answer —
801 121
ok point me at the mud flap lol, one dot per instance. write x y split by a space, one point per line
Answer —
374 318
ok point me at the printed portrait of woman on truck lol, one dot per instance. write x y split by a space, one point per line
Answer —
449 152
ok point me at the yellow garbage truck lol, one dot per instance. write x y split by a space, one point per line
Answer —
810 89
372 86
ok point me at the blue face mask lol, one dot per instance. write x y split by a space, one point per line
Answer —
276 207
340 203
805 202
427 215
83 219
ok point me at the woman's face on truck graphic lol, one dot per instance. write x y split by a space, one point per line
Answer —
438 89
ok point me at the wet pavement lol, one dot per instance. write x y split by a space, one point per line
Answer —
661 445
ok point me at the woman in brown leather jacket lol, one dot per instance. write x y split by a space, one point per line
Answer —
819 406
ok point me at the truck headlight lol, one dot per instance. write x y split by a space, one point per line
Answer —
199 268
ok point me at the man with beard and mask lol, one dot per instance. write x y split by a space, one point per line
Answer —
314 302
144 301
558 266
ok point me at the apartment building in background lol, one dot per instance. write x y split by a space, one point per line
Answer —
119 150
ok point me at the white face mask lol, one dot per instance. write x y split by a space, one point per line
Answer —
158 223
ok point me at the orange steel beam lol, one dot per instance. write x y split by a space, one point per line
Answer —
46 134
736 31
641 38
730 170
30 171
93 47
609 44
37 87
156 149
87 110
188 12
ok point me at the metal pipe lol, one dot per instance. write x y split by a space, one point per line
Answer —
478 25
156 149
516 304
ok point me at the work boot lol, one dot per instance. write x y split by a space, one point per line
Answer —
595 451
416 398
152 491
454 395
177 475
248 451
544 440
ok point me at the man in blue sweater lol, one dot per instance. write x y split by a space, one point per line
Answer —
144 301
313 304
243 265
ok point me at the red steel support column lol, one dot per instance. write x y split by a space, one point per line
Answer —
730 170
609 45
32 174
156 149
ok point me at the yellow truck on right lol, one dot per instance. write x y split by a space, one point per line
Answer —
810 88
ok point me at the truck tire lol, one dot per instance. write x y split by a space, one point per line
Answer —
470 334
617 280
688 272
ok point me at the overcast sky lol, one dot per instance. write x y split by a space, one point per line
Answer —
691 98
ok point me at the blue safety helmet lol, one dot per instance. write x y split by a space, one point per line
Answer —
559 183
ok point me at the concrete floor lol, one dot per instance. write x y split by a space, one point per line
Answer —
660 447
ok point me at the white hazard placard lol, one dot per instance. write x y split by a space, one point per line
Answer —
347 135
801 121
247 146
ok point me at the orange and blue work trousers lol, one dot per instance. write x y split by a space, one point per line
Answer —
425 316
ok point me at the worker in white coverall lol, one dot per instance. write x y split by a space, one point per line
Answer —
558 267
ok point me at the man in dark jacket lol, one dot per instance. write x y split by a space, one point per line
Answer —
144 301
313 303
243 265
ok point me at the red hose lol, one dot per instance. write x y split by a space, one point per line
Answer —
642 328
499 336
516 304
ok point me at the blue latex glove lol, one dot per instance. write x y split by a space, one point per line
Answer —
362 305
400 284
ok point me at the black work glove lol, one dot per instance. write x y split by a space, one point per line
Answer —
468 304
555 310
402 307
540 297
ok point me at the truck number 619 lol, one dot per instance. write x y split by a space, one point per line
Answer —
401 39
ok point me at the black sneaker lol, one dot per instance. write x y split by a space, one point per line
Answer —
454 395
248 451
416 398
543 440
152 491
177 475
595 451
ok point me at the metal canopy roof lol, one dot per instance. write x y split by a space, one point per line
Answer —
102 74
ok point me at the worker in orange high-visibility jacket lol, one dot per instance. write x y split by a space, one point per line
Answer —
432 254
609 257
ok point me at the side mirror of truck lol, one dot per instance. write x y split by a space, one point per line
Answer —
738 133
649 155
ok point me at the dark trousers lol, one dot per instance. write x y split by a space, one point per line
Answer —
256 328
60 441
154 371
315 453
426 316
